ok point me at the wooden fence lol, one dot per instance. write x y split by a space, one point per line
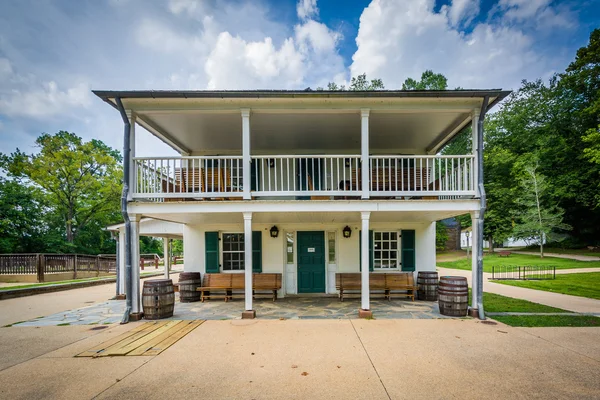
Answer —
47 263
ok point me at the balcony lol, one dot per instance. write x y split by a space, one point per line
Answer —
306 177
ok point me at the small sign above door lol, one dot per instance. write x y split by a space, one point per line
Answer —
311 249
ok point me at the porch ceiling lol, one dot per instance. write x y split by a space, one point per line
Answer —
293 122
304 217
307 132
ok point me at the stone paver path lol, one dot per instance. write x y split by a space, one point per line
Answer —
558 300
111 311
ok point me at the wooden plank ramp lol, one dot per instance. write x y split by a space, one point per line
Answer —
147 339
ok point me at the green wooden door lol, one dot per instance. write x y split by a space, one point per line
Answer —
311 262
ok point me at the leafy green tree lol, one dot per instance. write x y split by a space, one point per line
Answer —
22 228
538 217
358 83
429 81
80 183
441 236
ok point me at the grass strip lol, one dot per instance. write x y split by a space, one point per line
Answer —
520 260
582 285
538 321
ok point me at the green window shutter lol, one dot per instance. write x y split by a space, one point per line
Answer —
256 251
408 250
211 249
370 250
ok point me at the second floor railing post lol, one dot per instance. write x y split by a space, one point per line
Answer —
246 162
364 152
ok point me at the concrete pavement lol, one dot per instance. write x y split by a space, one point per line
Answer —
26 308
316 359
558 300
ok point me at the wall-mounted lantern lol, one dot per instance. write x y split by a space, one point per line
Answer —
274 231
347 231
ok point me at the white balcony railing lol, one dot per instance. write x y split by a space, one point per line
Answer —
313 176
305 175
422 175
187 177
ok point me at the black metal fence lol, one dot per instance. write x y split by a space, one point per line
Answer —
523 272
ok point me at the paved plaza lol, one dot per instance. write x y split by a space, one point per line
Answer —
109 312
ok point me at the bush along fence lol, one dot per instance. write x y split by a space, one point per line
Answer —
43 264
523 272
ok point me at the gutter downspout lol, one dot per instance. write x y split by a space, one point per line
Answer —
124 213
482 207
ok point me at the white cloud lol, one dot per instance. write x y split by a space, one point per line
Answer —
307 9
539 11
461 11
397 40
45 101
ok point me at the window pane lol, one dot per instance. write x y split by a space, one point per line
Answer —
290 247
385 253
331 240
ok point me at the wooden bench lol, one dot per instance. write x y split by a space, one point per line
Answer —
402 283
233 285
352 282
386 283
504 253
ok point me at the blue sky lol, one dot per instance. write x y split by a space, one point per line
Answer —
53 52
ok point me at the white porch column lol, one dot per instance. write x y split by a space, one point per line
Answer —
132 173
364 152
474 140
246 152
121 262
135 264
364 260
167 256
249 313
474 278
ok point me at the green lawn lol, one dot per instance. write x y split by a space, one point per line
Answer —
581 252
520 259
538 321
583 285
497 303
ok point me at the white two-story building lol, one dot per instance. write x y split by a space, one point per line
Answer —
303 183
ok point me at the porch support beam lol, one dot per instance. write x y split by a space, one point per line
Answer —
136 311
364 152
248 311
166 257
246 161
132 174
474 144
121 264
473 311
364 265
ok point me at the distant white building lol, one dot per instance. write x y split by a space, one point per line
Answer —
466 241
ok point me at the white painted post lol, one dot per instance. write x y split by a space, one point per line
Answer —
475 171
135 263
167 257
246 161
474 282
364 152
364 259
132 169
248 260
121 264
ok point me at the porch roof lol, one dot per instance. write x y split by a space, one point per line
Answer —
302 121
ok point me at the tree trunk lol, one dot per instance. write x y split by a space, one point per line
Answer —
69 225
541 246
491 240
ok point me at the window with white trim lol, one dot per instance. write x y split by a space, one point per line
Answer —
233 251
385 250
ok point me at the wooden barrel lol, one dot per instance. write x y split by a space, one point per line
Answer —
188 283
453 295
158 298
427 285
